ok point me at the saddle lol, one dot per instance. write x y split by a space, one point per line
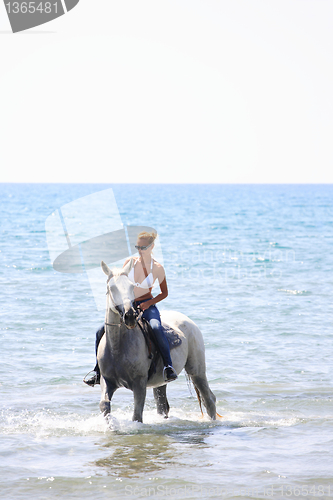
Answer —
154 354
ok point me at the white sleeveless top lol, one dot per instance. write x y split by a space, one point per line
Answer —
147 282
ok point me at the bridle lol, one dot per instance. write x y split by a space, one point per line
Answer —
137 313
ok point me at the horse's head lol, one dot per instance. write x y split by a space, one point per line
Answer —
120 293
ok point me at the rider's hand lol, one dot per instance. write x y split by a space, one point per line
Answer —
145 305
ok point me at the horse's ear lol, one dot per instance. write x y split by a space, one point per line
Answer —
106 269
128 267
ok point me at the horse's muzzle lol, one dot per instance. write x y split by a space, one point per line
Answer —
130 318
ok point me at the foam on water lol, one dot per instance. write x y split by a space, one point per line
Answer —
44 424
47 423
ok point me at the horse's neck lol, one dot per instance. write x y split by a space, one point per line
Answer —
112 328
112 317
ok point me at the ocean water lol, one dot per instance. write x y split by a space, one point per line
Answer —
252 266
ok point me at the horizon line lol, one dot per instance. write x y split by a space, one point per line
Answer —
176 183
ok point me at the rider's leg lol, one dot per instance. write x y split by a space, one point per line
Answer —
99 335
152 315
95 379
162 341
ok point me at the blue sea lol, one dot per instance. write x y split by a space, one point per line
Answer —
252 266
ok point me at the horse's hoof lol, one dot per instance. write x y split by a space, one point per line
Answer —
105 408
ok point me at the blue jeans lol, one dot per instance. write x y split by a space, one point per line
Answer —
153 317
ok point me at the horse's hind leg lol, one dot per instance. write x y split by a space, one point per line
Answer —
196 368
107 392
201 384
161 401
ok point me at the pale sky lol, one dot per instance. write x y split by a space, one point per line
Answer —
209 91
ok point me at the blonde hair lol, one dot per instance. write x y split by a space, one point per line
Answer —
151 237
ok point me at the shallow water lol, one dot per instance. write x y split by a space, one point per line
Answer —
251 266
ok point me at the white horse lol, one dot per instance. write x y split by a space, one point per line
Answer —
123 353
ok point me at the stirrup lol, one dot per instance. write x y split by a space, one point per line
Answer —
93 380
172 375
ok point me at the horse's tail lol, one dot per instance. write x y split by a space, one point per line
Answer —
200 403
199 399
188 378
198 394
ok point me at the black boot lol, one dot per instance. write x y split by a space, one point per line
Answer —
169 374
95 379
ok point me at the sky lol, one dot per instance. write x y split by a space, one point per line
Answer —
170 91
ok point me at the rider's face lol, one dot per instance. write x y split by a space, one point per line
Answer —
144 242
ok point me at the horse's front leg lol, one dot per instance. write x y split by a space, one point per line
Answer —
139 391
107 392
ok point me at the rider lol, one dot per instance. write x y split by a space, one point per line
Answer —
143 281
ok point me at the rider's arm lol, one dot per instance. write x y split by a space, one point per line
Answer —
162 295
164 290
